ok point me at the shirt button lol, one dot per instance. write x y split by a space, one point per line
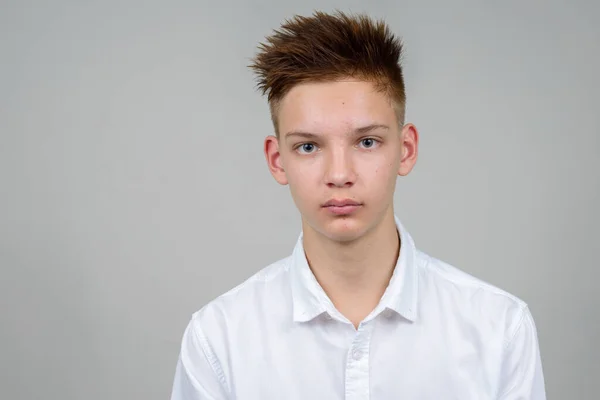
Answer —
357 354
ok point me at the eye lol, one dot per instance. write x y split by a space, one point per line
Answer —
306 148
368 143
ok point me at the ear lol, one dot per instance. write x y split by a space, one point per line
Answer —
410 147
274 161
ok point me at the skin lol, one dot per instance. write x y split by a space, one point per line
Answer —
322 154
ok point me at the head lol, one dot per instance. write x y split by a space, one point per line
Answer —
337 99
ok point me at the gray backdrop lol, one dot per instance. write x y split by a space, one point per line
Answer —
134 188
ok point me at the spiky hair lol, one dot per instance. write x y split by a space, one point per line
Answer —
328 47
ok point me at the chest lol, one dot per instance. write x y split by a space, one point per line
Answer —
370 364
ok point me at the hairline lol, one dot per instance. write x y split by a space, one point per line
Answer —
399 109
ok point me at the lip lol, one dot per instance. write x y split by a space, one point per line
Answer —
341 203
342 206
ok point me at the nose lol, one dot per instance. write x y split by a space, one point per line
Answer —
340 169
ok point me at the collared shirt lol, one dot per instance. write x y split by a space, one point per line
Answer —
437 333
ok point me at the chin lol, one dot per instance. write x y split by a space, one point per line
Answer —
343 229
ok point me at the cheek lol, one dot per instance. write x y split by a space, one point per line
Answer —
302 175
381 171
380 178
304 168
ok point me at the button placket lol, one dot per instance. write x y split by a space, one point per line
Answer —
357 365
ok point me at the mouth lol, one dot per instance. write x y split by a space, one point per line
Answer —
342 206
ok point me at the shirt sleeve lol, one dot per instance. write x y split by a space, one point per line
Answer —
198 375
522 377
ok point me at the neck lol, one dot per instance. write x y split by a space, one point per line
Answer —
355 274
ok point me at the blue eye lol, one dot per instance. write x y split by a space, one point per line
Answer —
307 148
368 142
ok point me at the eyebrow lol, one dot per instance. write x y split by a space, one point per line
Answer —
358 131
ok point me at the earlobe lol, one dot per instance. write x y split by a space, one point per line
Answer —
274 161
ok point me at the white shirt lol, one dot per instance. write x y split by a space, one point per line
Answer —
437 333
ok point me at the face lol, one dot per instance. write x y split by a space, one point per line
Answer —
340 150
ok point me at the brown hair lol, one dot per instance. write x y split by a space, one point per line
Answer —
328 47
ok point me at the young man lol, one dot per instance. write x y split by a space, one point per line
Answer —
356 312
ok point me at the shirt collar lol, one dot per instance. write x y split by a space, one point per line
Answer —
309 299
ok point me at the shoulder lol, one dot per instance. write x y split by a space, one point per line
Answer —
470 298
268 287
236 314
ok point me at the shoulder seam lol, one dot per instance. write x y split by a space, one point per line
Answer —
517 326
210 356
508 341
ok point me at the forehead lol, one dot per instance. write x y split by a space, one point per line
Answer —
334 107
